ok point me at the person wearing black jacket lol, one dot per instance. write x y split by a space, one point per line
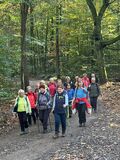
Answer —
94 92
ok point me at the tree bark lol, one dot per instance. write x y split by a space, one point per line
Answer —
57 43
24 72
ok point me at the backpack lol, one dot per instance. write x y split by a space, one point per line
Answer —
43 100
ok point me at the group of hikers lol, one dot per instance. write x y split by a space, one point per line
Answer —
61 97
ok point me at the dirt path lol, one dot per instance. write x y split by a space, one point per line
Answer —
35 146
100 140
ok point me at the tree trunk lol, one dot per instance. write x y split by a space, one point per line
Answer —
24 72
57 43
46 46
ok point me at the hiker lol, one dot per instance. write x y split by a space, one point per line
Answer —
70 93
32 98
22 107
94 92
59 109
37 88
52 88
59 82
43 102
78 79
85 80
68 81
93 75
42 82
81 93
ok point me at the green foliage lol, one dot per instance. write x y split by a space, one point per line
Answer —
75 29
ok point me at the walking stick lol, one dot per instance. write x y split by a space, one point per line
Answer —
50 124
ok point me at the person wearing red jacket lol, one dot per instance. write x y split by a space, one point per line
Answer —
85 80
32 98
52 88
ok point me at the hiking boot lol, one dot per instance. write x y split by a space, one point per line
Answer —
80 125
22 133
56 136
26 131
45 131
83 125
63 135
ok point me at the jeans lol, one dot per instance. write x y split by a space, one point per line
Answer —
60 118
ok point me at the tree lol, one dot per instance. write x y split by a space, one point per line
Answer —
24 6
98 42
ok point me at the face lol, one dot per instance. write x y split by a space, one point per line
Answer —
42 90
93 80
80 84
60 90
37 86
79 79
21 94
85 75
29 90
68 80
68 86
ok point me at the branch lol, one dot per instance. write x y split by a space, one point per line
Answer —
103 8
109 42
112 2
92 8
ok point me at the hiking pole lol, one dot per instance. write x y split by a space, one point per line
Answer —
38 122
50 123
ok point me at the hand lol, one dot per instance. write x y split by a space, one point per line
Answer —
64 105
14 115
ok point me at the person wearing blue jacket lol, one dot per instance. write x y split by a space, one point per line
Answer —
70 93
81 92
59 109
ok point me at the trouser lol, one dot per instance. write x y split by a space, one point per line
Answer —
81 113
93 102
60 118
33 116
68 111
43 116
23 120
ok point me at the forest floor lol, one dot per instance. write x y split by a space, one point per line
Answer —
99 140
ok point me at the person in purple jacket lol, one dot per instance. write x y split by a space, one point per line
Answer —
70 93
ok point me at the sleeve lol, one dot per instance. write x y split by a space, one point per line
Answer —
53 107
13 108
99 91
66 100
73 92
28 105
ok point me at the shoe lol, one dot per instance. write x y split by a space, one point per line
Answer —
22 133
84 125
80 125
63 135
55 136
45 131
26 131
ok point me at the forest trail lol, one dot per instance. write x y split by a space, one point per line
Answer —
79 143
